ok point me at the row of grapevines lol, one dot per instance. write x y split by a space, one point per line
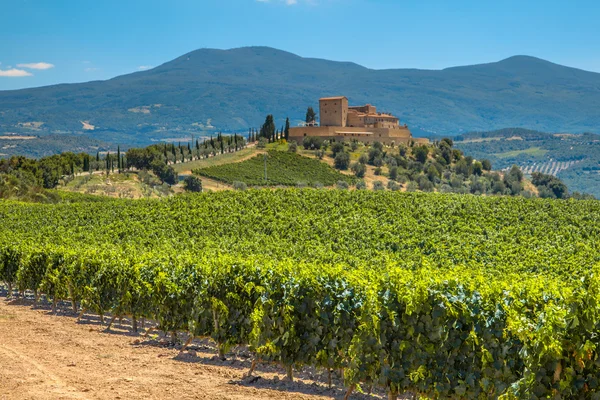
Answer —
444 295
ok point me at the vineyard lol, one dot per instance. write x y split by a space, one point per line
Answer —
447 296
283 168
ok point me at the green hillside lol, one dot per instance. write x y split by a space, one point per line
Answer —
283 168
208 90
575 159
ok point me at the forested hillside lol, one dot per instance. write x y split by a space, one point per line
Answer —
209 90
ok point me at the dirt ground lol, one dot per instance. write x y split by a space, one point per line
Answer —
48 356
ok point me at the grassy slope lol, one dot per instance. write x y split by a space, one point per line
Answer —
126 185
220 159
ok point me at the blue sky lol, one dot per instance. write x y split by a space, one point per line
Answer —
54 41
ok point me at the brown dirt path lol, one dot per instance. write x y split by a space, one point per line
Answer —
45 356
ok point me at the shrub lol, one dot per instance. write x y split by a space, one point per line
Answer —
412 186
239 185
361 185
393 186
312 143
378 171
342 185
378 185
192 183
262 143
292 147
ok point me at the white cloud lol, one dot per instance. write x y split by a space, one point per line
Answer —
39 65
144 67
14 73
91 69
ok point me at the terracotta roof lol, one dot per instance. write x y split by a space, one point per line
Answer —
333 98
376 115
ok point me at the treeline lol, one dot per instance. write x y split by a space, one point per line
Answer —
268 132
28 178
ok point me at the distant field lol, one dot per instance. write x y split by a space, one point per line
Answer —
289 169
532 151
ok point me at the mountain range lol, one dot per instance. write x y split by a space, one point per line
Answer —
211 90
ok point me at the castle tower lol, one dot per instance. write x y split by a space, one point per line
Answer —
333 111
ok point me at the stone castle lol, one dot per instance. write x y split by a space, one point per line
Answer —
363 123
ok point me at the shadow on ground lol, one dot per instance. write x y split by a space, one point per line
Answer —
307 380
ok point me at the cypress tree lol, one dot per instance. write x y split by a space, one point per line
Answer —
310 115
222 148
119 158
287 129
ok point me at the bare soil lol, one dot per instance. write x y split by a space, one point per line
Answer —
51 356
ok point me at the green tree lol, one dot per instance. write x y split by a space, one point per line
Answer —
311 116
486 165
192 183
119 158
359 169
337 147
342 160
268 129
286 131
421 153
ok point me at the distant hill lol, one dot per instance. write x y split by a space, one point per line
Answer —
208 90
574 158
